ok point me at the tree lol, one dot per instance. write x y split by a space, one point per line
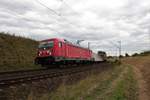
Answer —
135 54
127 55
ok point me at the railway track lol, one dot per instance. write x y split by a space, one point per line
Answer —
9 78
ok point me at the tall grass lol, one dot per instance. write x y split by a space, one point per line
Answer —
117 83
16 52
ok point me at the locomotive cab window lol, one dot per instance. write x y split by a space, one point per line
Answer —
46 45
60 44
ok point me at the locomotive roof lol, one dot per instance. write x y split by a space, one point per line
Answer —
63 40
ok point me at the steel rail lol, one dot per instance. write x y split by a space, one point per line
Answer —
9 78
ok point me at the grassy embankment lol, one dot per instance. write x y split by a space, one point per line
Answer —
16 53
117 83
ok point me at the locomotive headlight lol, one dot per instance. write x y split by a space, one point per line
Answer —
40 53
49 52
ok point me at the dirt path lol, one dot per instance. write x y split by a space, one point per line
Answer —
143 92
141 66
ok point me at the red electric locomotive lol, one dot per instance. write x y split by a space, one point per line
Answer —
60 51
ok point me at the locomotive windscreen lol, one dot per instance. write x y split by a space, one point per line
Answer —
46 45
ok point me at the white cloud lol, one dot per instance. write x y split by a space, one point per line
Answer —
97 21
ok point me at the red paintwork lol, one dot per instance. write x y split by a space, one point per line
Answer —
67 50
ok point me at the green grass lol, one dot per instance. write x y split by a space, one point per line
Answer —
87 87
117 83
126 88
16 52
104 85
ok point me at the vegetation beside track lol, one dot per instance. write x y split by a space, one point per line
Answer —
16 53
141 66
117 83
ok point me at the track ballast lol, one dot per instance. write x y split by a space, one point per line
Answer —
15 77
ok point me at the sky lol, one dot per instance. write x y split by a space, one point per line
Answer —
101 22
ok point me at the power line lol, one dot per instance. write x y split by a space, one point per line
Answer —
51 10
63 1
22 18
89 45
149 38
59 15
119 48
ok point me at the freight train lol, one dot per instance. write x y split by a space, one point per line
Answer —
57 51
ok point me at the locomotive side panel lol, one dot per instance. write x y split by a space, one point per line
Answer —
75 52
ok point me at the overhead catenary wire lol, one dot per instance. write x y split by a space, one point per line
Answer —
118 46
58 14
149 39
51 10
63 1
23 18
